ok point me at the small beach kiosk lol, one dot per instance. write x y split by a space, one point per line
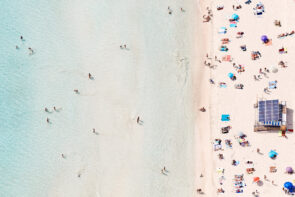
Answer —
271 115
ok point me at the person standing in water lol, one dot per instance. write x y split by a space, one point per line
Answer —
90 76
169 10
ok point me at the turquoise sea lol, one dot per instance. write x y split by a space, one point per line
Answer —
148 80
29 147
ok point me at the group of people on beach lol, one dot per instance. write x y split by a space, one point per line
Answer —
263 72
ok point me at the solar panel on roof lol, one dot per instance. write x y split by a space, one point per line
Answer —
269 110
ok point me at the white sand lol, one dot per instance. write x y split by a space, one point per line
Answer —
239 103
152 80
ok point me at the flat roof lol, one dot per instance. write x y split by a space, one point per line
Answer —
269 110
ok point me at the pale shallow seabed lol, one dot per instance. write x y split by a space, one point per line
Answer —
72 38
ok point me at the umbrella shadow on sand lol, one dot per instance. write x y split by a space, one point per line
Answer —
260 183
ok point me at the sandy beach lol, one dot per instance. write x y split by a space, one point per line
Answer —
238 103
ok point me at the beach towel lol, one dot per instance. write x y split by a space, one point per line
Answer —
222 30
233 24
226 58
225 117
272 85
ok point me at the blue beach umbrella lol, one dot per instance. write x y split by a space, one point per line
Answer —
272 154
288 185
230 75
264 39
235 17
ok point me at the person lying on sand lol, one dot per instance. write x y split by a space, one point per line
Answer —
206 18
202 109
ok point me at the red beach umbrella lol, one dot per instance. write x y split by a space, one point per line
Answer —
256 179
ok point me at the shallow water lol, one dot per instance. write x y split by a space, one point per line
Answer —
147 80
29 147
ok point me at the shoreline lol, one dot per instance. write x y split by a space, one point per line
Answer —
204 161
